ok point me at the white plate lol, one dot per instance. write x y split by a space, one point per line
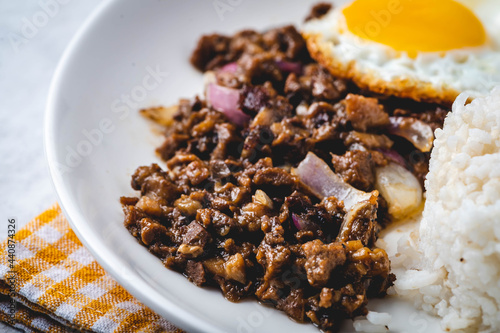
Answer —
133 54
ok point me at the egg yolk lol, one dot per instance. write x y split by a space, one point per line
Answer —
415 25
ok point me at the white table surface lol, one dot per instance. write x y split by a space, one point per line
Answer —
33 36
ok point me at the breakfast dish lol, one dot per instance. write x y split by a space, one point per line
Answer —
277 182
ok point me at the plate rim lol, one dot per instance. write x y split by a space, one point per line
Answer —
134 283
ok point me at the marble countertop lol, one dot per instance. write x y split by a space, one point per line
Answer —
33 36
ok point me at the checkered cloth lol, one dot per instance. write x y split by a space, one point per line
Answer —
56 285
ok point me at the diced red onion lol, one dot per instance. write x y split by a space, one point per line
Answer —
230 67
416 131
299 222
288 66
317 176
226 100
393 156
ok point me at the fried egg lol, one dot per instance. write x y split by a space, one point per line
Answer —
427 50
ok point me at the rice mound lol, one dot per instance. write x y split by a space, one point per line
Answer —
452 263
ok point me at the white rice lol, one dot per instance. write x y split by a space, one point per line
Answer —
374 322
452 263
378 318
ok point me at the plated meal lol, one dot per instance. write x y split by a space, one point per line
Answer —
278 182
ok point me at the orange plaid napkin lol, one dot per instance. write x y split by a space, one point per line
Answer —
54 285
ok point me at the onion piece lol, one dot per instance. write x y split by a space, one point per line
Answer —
299 222
400 188
393 156
226 100
317 176
416 131
231 67
287 66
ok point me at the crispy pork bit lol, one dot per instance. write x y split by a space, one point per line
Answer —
365 113
319 10
321 260
162 115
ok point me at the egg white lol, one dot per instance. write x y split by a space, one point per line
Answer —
430 76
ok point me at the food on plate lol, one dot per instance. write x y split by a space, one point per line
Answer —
426 50
454 263
276 182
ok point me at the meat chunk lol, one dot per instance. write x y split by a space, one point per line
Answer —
433 117
274 176
364 112
151 231
210 52
292 84
274 259
171 145
197 172
323 85
195 272
420 166
376 262
219 169
294 305
368 140
128 201
319 10
153 180
270 290
142 173
356 168
315 84
188 170
257 143
314 218
253 99
290 138
351 301
226 140
219 221
231 269
328 296
196 235
259 68
286 40
277 109
321 260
